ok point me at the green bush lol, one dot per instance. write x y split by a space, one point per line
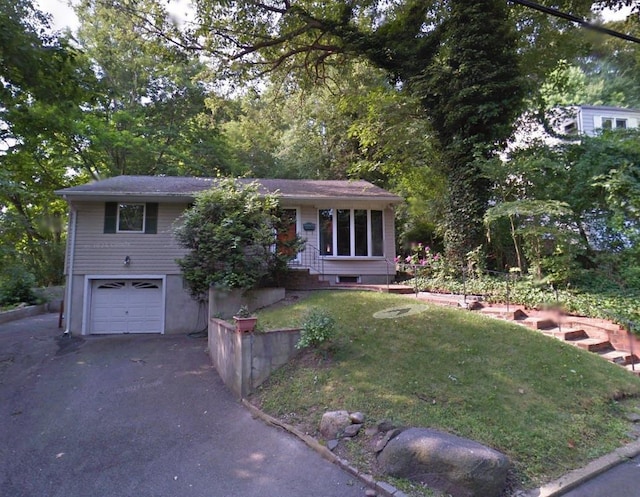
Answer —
318 328
16 286
229 232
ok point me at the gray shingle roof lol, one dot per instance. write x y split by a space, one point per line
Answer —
177 186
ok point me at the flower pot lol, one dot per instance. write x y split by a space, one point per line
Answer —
244 325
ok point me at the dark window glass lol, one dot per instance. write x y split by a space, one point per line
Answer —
360 228
325 220
621 123
343 226
131 217
377 239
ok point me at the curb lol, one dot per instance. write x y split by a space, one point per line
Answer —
590 471
382 488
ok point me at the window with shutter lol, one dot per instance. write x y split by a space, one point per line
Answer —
123 217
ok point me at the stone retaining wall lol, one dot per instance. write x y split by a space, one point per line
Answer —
245 360
32 310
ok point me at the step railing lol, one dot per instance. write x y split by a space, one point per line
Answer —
309 258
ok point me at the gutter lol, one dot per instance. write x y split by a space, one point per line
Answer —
73 219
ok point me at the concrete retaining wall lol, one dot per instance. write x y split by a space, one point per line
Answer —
225 303
245 360
32 310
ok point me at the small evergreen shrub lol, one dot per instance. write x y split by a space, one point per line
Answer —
318 328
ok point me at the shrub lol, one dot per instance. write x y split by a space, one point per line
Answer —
16 286
230 232
318 328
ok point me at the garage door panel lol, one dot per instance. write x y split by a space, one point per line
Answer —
126 306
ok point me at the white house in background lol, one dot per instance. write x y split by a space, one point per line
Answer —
121 271
590 119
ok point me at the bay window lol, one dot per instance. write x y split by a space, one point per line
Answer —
351 232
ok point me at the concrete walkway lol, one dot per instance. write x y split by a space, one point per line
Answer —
138 416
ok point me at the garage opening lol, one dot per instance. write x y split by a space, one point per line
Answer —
126 306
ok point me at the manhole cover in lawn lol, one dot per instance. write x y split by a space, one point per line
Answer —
400 311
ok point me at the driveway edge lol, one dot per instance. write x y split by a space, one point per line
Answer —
590 471
382 488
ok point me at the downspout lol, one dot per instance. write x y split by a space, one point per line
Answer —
72 251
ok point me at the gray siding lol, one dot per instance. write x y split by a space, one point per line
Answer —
591 117
104 253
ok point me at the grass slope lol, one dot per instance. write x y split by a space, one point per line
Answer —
549 406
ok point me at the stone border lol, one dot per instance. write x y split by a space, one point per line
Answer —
31 310
381 487
578 476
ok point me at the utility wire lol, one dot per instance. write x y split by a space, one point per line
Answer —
576 19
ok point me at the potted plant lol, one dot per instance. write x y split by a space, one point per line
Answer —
245 321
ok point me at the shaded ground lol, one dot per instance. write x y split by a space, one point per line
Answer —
137 415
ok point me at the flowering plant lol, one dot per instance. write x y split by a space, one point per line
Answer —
422 261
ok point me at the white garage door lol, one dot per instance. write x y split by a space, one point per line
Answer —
126 306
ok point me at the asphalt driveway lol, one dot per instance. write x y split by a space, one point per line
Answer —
142 416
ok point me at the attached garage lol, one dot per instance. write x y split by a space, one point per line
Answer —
122 305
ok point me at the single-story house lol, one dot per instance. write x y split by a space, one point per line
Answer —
121 271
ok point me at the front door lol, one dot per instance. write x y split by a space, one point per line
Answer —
287 234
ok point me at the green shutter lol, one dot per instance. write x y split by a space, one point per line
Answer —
110 216
151 221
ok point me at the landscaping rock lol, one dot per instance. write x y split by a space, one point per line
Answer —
385 425
356 418
370 432
351 430
332 444
633 417
460 467
382 443
333 422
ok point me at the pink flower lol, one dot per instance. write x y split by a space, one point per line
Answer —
423 262
408 259
436 257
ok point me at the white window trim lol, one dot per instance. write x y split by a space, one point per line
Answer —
144 217
352 239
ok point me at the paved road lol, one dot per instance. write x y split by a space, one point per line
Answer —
142 416
620 481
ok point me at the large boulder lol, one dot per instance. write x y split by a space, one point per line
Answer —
333 423
460 467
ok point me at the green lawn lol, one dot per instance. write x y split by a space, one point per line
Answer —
550 406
